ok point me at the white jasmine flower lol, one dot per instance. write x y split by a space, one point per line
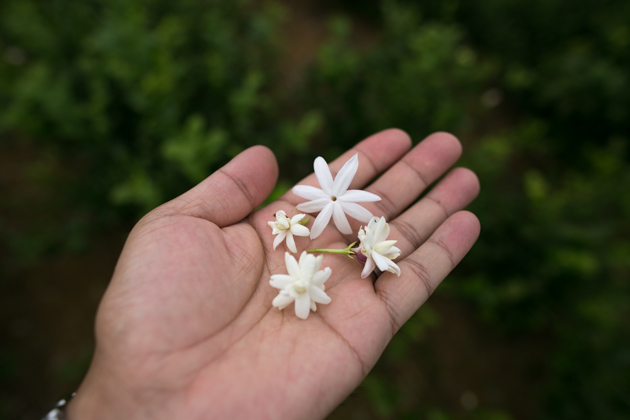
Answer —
304 284
375 250
334 199
286 228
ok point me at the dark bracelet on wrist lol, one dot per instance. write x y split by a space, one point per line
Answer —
57 413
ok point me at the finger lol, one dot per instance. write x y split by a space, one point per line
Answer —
376 153
402 184
423 270
232 192
453 193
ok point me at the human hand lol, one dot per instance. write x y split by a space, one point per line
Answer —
186 328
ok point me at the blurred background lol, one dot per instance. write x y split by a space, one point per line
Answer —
111 107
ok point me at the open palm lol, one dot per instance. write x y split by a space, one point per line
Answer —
187 330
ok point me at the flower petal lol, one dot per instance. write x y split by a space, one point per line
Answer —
300 230
321 221
318 262
308 192
369 267
345 175
296 219
372 224
308 266
281 301
369 241
292 265
280 281
383 247
291 243
319 296
279 239
361 235
339 217
314 205
302 305
356 211
283 223
393 268
358 196
302 258
381 262
381 231
392 253
322 172
321 276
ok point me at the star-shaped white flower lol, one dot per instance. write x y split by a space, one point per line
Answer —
286 228
375 249
334 199
304 284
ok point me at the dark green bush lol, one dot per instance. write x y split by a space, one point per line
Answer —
420 76
150 96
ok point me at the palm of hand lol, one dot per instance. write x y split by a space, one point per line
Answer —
187 324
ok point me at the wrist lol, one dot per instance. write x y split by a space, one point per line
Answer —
99 398
58 413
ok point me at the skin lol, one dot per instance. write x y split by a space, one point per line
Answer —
186 328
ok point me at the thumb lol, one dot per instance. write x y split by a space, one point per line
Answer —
232 192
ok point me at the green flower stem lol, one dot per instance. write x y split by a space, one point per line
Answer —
346 251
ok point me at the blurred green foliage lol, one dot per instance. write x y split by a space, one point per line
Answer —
142 99
150 96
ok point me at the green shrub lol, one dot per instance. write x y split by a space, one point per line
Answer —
151 96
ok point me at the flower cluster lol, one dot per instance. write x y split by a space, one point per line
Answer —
304 283
286 228
334 199
377 250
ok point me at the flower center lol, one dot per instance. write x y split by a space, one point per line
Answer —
298 287
333 198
